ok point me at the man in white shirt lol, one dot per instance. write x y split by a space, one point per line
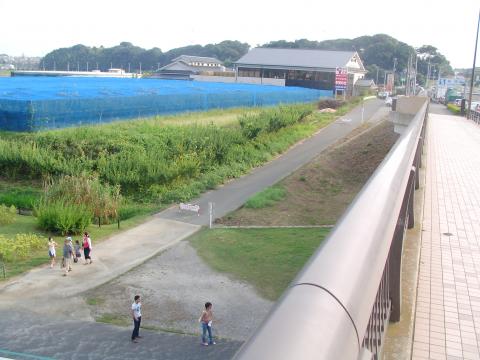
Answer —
137 317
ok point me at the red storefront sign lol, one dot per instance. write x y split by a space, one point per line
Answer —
341 79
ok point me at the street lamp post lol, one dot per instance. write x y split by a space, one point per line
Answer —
473 70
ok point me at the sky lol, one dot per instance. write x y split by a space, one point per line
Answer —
34 28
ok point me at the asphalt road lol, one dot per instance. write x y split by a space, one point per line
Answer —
234 194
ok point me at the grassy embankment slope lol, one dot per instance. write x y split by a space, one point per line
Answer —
316 194
156 161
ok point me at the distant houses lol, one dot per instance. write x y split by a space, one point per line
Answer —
307 68
184 66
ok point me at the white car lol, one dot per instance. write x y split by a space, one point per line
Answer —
389 101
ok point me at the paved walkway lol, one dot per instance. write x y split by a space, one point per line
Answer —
43 286
26 336
447 319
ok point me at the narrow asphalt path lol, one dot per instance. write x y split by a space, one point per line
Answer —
232 195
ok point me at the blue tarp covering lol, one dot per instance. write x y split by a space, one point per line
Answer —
35 103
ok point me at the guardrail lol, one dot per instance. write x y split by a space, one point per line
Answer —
474 115
339 306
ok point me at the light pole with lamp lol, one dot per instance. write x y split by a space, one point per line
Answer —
473 70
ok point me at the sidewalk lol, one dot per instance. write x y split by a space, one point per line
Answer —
40 288
447 318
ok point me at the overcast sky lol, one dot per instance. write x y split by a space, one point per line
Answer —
35 27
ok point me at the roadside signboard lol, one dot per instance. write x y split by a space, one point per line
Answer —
390 80
341 78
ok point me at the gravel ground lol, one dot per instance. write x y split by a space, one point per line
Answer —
174 286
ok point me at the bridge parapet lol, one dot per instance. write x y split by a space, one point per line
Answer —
339 305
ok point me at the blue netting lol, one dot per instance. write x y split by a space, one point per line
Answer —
33 103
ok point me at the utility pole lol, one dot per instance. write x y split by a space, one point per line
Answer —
416 67
87 66
129 67
376 82
473 69
394 67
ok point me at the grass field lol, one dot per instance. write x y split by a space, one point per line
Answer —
267 258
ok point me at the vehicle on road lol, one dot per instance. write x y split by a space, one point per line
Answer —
389 101
382 94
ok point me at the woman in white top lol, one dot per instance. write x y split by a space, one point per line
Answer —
51 251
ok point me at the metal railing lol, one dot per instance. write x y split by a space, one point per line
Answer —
474 115
339 306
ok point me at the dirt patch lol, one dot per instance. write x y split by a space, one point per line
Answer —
319 192
174 287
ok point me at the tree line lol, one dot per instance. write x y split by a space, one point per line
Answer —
134 58
379 53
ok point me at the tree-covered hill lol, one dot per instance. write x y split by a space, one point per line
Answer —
377 52
122 55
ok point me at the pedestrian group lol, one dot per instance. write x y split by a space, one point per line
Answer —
71 252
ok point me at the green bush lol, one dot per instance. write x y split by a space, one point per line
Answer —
7 214
267 197
19 247
63 218
20 198
102 200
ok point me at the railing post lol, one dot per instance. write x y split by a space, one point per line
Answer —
411 195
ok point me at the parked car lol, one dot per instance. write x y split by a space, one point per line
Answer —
475 106
382 94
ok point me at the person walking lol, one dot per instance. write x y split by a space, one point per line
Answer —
78 254
137 317
206 321
51 251
87 248
67 256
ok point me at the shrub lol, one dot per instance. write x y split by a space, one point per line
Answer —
330 103
62 217
7 214
19 247
20 198
267 197
86 191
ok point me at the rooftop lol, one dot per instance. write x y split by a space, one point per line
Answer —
297 57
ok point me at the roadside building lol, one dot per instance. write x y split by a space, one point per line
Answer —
363 86
184 66
299 67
